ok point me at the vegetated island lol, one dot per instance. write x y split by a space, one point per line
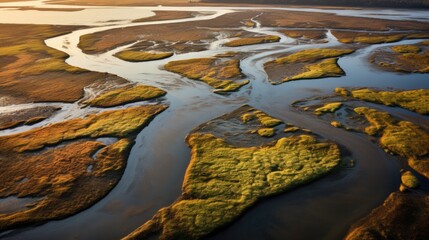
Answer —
60 169
403 58
395 136
221 73
227 175
306 64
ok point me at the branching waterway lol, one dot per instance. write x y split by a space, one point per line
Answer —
156 166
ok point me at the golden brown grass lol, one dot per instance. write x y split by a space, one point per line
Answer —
311 55
322 69
123 95
252 40
298 19
140 56
219 73
59 181
115 123
375 38
406 49
306 64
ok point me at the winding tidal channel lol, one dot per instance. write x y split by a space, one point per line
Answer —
324 209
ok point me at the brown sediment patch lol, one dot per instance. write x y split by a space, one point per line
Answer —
375 38
168 15
36 73
306 64
403 216
75 173
403 58
123 95
178 37
223 180
25 116
276 18
305 34
220 73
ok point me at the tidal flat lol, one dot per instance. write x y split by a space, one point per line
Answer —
212 121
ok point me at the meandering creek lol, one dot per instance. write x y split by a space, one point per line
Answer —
156 166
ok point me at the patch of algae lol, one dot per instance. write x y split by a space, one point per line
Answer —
222 181
266 132
252 40
218 73
322 69
115 123
414 100
400 137
140 56
263 118
328 108
310 55
123 95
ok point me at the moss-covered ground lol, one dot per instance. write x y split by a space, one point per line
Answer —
123 95
223 180
328 108
220 73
